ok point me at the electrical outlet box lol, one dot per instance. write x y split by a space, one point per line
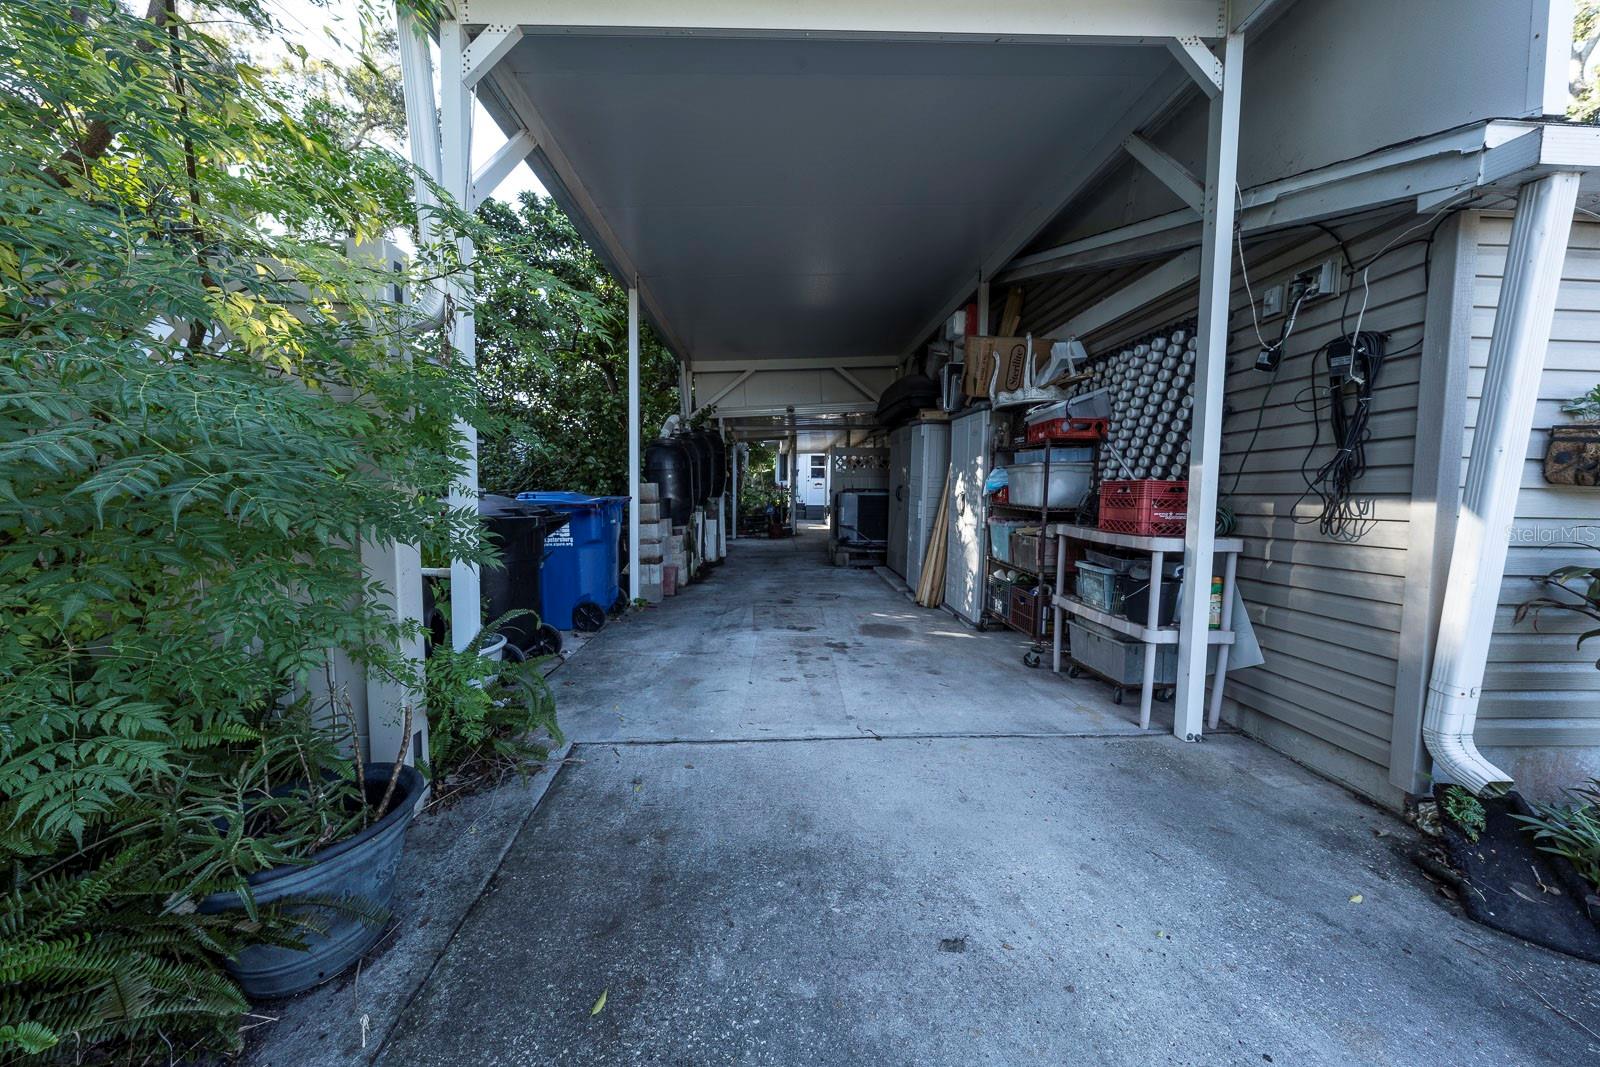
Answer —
1324 279
1271 301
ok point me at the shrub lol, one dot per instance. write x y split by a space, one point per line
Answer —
1571 830
206 408
489 714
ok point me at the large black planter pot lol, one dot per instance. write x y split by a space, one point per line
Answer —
359 868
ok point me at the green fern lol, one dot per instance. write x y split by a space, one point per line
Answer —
202 419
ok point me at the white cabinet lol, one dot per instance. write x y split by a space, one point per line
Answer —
928 465
968 538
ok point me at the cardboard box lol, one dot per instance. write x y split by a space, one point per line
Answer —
982 353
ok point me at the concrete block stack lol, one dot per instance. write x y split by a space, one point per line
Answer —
654 533
677 558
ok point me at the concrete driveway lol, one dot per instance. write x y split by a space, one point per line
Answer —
809 823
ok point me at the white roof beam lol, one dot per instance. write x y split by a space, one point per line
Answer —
860 386
1175 274
499 166
487 49
864 407
1252 16
1061 20
1092 164
1199 62
1169 171
1431 171
725 366
711 402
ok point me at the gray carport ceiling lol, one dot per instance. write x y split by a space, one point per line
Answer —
788 198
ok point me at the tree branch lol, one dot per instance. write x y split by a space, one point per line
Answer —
98 134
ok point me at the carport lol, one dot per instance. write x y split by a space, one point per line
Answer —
803 820
800 193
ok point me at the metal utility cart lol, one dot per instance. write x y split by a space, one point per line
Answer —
1030 614
1149 632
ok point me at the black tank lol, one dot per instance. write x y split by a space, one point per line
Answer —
719 463
699 463
667 463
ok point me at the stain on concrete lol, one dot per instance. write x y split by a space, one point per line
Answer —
884 629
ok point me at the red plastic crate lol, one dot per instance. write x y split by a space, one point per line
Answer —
1145 508
1068 429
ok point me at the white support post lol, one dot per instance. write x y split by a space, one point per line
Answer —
727 496
466 611
733 523
1538 248
983 307
397 569
1211 371
794 476
633 441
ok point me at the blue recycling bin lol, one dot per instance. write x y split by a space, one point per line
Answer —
578 583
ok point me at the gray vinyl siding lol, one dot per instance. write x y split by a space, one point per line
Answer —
1327 612
1540 690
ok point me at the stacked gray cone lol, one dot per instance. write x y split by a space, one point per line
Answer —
1151 382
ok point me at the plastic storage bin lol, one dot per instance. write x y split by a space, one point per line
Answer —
1117 659
997 597
1133 597
1058 454
1120 564
1068 429
1146 508
1032 551
579 579
1000 538
1097 586
1023 612
1069 484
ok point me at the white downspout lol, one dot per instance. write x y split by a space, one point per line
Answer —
422 131
1538 248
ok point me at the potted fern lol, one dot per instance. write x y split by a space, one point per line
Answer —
332 829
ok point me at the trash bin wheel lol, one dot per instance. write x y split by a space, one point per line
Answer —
546 641
588 617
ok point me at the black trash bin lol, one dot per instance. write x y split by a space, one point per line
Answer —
517 531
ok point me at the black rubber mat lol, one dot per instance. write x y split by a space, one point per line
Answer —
1511 885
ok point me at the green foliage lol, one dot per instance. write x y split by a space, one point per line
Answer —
553 357
486 714
1571 830
1573 590
1585 407
82 959
1586 78
757 484
1464 809
207 405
